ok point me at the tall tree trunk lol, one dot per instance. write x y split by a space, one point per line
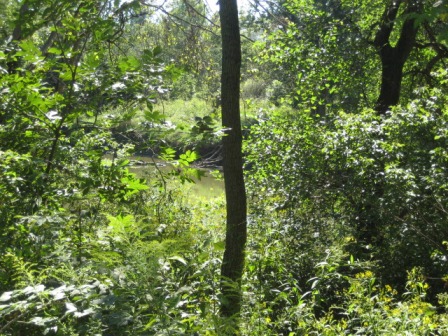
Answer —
393 58
236 226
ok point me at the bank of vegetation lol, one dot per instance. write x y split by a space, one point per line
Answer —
345 138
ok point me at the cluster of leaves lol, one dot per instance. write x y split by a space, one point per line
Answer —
323 51
189 34
316 72
375 185
86 246
362 305
51 153
136 277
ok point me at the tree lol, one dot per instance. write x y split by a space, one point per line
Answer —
399 47
233 260
190 38
303 48
393 58
57 77
390 49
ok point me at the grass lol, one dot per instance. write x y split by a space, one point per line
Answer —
180 112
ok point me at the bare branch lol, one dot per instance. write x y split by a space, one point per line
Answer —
172 16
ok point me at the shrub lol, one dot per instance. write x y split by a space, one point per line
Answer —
253 88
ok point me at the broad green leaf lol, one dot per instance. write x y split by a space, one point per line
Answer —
6 296
70 308
179 259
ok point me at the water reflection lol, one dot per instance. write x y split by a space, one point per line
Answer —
208 186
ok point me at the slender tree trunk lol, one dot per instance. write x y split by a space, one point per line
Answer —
236 226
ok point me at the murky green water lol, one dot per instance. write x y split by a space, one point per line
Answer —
208 186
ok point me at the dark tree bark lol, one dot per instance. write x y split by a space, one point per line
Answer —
393 58
236 226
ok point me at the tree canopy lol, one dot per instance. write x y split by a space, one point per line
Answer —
272 169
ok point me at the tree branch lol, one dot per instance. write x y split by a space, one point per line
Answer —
387 24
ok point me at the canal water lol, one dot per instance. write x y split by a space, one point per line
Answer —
208 186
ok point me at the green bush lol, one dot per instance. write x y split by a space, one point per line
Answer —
154 272
184 87
375 183
276 92
253 88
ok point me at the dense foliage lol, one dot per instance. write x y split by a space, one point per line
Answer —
348 212
376 183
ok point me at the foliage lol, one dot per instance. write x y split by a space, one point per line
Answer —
342 295
53 158
253 88
178 124
80 234
317 73
378 179
347 225
138 278
189 34
303 41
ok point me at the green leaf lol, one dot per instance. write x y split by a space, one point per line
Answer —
157 51
42 321
55 51
134 184
154 116
86 312
120 223
219 246
168 154
179 259
6 296
70 308
188 157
